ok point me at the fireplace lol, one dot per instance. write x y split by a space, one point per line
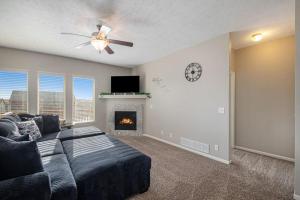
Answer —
125 120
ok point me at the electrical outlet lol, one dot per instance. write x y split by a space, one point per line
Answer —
221 110
162 132
170 135
216 147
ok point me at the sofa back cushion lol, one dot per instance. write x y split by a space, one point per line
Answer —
51 124
39 122
8 128
25 116
18 158
11 116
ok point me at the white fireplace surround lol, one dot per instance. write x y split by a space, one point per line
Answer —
124 105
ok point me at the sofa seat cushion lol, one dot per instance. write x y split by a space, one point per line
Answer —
63 185
79 133
50 147
106 168
29 187
49 136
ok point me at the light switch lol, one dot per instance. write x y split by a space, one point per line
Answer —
216 147
221 110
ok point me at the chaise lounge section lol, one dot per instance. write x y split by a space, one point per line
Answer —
105 168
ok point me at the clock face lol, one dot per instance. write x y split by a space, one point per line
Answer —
193 72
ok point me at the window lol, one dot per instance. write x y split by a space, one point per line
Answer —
83 100
52 94
13 92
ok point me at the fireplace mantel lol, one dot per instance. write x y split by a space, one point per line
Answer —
124 96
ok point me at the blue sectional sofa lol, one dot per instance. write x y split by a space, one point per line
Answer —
84 164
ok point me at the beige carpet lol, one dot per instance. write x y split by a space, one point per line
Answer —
179 174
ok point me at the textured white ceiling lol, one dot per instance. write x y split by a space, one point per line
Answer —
157 27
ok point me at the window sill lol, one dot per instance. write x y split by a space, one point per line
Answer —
80 123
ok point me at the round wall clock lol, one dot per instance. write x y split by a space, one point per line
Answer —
193 72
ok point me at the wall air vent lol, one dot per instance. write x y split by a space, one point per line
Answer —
195 145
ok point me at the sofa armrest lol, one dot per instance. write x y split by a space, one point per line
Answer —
29 187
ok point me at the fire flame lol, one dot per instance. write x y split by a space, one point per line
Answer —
126 121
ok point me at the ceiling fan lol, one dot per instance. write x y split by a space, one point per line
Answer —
99 40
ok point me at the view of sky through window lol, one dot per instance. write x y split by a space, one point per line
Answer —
83 88
13 91
51 83
10 81
83 100
52 94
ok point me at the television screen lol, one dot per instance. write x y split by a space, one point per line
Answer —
125 84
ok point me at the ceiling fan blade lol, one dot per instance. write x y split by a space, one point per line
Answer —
129 44
83 45
75 34
109 50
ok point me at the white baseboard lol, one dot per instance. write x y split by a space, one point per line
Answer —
265 154
190 150
296 197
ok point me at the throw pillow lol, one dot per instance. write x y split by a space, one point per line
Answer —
18 158
37 118
8 128
29 127
51 123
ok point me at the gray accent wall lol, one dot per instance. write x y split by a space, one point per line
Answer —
297 102
179 108
33 63
265 97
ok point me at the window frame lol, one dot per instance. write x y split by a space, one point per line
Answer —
17 70
94 97
38 90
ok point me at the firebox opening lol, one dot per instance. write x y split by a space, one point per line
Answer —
125 120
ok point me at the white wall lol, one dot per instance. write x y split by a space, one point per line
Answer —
189 109
297 102
12 59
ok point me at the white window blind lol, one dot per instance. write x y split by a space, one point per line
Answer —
83 100
52 94
13 92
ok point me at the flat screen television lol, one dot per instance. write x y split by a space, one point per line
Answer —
125 84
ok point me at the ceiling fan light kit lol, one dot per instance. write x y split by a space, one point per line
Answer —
99 44
99 40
